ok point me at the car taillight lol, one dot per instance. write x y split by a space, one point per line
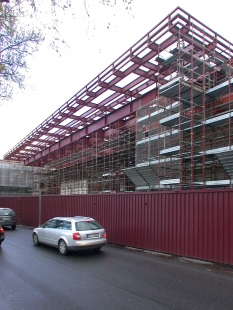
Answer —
105 235
76 236
2 231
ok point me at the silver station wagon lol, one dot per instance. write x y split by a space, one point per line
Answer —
71 233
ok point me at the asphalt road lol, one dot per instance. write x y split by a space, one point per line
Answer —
114 279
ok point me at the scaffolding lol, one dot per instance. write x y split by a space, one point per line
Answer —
17 179
94 166
184 137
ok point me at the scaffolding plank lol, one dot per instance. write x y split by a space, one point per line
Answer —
218 120
134 176
170 151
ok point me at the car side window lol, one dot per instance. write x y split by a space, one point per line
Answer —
12 213
60 224
50 224
67 225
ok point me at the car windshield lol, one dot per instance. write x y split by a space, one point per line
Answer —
7 212
87 225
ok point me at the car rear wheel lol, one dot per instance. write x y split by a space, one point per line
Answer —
62 247
13 227
35 239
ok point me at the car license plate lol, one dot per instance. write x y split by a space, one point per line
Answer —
93 236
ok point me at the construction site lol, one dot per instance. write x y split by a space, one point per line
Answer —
158 118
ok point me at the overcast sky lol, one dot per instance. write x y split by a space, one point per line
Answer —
95 42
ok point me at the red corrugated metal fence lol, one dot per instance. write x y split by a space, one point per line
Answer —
195 224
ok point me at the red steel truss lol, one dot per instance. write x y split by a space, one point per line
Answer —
116 93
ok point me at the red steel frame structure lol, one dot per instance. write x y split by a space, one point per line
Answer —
160 115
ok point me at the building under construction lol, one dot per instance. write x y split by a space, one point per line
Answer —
158 118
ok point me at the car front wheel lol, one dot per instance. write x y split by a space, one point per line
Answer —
35 239
62 247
